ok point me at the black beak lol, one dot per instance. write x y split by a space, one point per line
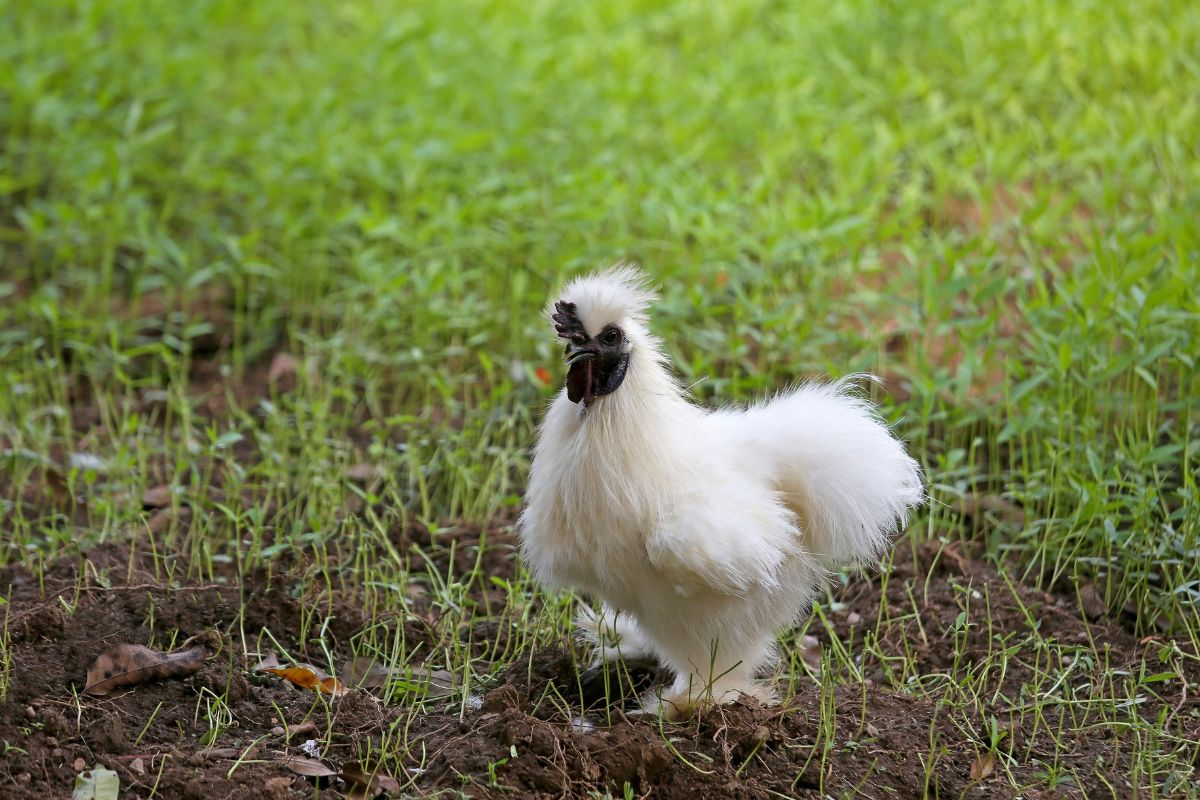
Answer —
576 354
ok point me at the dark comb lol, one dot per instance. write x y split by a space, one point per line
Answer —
567 324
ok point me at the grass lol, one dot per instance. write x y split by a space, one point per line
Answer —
994 207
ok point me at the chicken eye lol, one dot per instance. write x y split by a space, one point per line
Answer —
610 337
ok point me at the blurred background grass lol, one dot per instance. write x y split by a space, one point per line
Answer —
994 206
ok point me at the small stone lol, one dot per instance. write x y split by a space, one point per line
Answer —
51 741
282 372
57 753
157 497
79 765
161 519
854 618
1093 603
30 712
24 777
872 731
277 731
138 766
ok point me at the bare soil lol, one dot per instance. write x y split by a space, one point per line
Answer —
517 741
152 734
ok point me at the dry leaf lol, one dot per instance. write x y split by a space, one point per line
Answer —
307 677
810 651
229 752
302 728
362 785
983 766
439 682
308 767
364 672
129 664
270 659
97 784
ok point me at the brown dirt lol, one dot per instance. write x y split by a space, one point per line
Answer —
152 735
57 626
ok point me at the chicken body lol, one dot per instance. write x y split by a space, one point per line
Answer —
703 533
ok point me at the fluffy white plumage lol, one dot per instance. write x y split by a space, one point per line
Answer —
703 533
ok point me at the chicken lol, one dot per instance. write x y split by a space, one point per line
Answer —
703 533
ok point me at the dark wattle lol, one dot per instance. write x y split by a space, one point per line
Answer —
579 381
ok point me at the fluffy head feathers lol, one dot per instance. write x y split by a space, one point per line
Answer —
618 295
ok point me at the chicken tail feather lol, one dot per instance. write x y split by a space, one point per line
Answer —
839 468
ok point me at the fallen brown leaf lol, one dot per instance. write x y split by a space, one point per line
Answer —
810 651
301 729
130 664
307 677
309 767
438 683
221 752
269 659
362 785
364 672
983 766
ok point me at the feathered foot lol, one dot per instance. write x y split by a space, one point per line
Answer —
613 635
689 694
623 665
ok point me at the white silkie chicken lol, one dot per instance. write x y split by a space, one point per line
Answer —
703 533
